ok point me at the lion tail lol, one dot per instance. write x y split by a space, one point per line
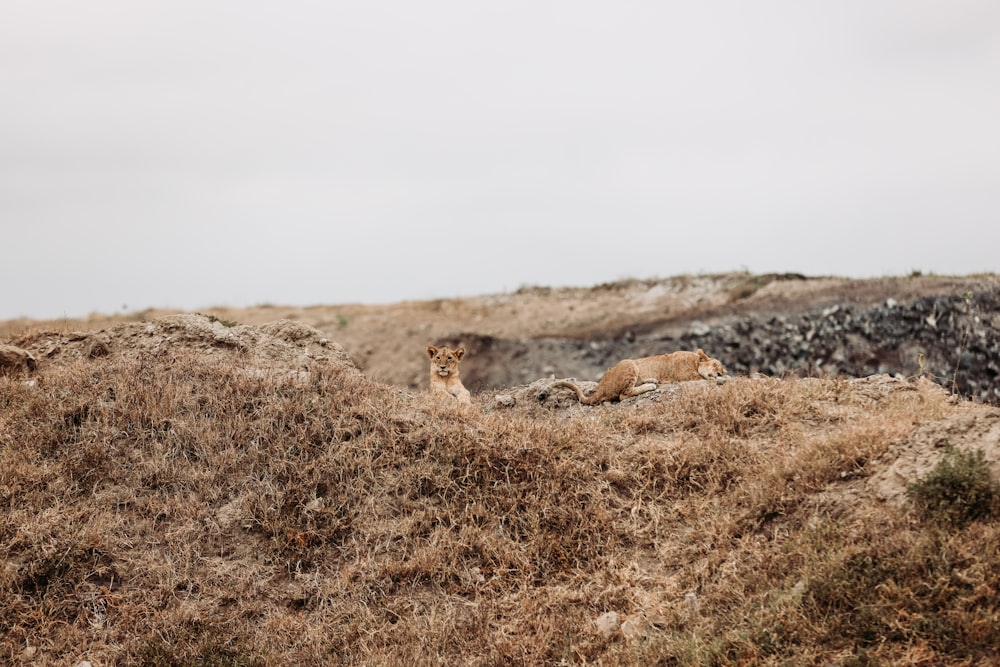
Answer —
586 400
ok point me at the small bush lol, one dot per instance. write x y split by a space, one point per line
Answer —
229 324
958 490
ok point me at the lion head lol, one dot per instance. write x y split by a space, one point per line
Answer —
444 361
710 368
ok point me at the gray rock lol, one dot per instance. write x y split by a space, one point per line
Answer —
504 400
15 360
698 328
608 624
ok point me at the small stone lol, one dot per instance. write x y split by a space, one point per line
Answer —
699 328
14 360
314 504
798 590
691 602
504 400
634 628
608 624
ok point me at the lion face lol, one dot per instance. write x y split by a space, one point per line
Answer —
444 361
710 368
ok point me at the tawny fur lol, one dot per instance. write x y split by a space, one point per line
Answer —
631 377
444 377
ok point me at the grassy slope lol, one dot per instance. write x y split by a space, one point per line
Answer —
184 509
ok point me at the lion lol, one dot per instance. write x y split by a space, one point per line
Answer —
631 377
445 380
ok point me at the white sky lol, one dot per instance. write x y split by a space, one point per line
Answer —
181 153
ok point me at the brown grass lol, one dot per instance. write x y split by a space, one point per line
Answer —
183 510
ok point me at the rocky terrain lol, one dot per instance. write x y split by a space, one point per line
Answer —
953 339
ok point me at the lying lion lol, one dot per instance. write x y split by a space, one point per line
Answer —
444 373
631 377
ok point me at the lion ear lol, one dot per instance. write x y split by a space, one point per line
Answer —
460 352
701 354
431 351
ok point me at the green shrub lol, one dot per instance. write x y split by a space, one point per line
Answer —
958 490
226 323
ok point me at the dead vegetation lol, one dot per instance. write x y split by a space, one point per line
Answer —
175 507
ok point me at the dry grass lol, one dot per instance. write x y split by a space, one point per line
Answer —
184 510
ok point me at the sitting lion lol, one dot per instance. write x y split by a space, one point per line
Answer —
631 377
444 373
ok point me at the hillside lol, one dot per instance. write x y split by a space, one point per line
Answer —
778 324
218 490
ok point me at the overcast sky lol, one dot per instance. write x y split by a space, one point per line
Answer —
173 153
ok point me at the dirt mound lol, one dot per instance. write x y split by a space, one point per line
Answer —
281 343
